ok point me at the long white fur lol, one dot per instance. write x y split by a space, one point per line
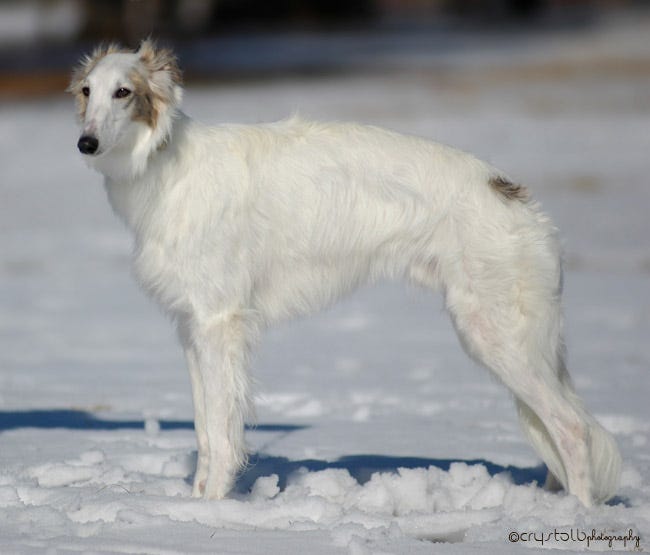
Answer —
239 226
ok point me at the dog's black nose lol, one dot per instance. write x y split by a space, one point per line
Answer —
88 144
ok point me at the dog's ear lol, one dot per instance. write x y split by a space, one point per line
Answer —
164 76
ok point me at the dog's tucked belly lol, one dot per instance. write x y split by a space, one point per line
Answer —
281 290
186 283
300 289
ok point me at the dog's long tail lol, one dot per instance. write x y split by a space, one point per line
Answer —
502 288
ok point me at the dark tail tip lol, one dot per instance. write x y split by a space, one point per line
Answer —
507 189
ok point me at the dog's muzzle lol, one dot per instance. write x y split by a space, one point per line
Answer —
88 144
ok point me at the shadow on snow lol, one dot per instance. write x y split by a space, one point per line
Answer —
82 420
360 467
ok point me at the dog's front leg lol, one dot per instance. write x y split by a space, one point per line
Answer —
222 352
198 400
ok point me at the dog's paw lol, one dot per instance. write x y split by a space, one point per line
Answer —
217 486
198 489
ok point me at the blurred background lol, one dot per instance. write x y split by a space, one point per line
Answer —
224 39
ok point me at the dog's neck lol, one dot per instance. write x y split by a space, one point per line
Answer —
131 172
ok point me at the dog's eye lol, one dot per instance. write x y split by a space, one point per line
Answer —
122 92
85 91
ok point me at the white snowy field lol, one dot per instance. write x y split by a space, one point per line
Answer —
375 433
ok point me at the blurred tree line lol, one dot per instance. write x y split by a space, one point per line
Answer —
47 21
129 19
41 39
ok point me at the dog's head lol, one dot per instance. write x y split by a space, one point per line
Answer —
126 98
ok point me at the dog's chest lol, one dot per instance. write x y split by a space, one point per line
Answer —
162 249
181 252
159 269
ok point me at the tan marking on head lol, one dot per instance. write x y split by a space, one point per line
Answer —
81 71
508 189
143 109
154 81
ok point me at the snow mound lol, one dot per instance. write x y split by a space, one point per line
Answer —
96 494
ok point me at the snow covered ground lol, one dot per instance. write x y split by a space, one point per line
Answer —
375 433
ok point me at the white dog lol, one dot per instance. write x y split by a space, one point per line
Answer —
238 226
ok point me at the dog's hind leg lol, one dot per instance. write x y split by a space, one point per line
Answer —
507 315
222 347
